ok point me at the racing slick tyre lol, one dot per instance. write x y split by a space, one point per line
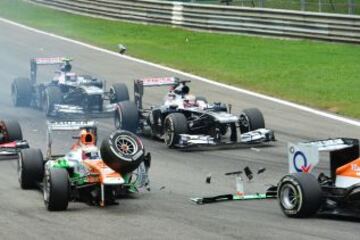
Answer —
56 189
118 93
21 92
251 119
174 125
122 151
52 96
13 130
30 168
299 195
127 116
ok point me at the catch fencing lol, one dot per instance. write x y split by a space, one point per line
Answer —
260 21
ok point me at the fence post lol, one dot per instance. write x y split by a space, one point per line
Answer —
320 6
302 5
261 3
351 6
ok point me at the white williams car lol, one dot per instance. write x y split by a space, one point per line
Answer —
67 94
183 120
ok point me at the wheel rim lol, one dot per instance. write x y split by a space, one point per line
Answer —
244 121
290 197
112 94
169 133
118 120
126 145
46 191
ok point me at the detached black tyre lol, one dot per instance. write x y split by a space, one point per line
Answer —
21 92
56 189
299 195
251 119
30 168
122 151
174 124
118 93
13 130
52 96
127 116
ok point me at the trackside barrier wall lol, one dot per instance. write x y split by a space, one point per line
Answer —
260 21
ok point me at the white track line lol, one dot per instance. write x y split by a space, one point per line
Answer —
240 90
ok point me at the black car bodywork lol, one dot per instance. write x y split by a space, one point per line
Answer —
67 94
184 124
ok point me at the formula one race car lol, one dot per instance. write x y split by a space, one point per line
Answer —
85 173
67 93
185 121
11 139
301 194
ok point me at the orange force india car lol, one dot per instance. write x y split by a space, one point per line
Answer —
301 194
11 139
86 173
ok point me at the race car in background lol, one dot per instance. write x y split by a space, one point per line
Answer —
185 121
301 194
67 93
86 173
11 139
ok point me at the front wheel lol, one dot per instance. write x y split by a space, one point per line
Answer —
299 195
122 151
56 189
251 119
52 96
174 124
118 93
13 130
127 116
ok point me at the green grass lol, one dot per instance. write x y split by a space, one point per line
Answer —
318 74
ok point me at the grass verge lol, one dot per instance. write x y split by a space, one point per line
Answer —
317 74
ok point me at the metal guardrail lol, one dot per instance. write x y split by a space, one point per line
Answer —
267 22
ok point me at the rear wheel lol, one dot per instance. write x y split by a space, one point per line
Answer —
251 119
30 168
127 116
122 151
174 124
56 189
21 92
13 130
52 96
299 195
118 93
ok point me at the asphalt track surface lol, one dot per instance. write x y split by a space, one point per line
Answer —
165 212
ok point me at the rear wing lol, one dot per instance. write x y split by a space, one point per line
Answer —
140 84
68 126
304 156
35 62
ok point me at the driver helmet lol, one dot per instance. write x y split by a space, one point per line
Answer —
66 67
87 138
189 101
